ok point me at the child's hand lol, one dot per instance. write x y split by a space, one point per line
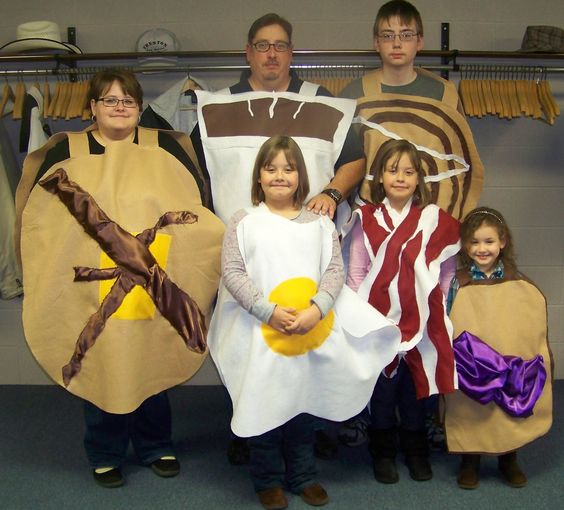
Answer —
305 320
281 318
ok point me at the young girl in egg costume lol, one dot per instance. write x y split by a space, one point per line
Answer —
290 341
501 351
401 249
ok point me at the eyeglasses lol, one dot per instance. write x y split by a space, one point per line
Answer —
264 46
389 37
112 102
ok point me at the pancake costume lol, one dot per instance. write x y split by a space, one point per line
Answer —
330 371
436 127
121 264
504 365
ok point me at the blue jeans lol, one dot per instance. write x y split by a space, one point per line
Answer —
148 427
283 457
397 393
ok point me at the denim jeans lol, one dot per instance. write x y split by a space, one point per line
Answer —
396 396
148 427
283 457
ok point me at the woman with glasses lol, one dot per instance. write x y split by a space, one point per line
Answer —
121 263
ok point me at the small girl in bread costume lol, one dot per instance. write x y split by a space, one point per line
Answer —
289 340
501 351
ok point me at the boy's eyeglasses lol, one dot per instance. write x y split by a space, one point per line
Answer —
403 36
112 102
264 46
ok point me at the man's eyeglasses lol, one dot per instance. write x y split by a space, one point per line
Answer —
264 46
389 37
112 102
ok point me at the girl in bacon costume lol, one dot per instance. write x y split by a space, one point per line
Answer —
501 353
289 340
402 253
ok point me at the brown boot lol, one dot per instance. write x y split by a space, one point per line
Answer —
469 472
273 499
511 471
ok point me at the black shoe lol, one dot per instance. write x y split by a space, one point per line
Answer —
166 468
419 468
324 448
109 479
238 452
385 470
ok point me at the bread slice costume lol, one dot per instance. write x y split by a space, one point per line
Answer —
121 264
509 315
440 132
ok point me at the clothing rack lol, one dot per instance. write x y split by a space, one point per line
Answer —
18 66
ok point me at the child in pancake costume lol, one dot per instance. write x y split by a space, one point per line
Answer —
501 351
289 340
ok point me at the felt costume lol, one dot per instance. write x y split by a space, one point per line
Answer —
436 127
330 371
403 284
121 263
233 128
509 316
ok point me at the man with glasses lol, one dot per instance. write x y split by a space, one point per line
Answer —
269 54
402 101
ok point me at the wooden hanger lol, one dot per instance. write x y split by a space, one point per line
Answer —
19 100
46 97
7 95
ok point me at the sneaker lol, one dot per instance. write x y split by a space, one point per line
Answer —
166 468
353 432
109 479
315 495
238 453
325 447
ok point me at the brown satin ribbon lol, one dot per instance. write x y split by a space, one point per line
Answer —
135 266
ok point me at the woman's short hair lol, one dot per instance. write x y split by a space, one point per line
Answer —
102 81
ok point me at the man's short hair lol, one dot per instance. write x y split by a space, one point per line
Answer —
405 11
265 21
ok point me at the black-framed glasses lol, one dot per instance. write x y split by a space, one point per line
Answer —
112 102
389 37
264 46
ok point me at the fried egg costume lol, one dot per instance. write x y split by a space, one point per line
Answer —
330 372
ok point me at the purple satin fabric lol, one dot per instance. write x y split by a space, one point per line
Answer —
513 383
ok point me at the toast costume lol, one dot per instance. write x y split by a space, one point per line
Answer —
509 316
121 264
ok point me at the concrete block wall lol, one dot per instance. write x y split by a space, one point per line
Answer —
524 158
